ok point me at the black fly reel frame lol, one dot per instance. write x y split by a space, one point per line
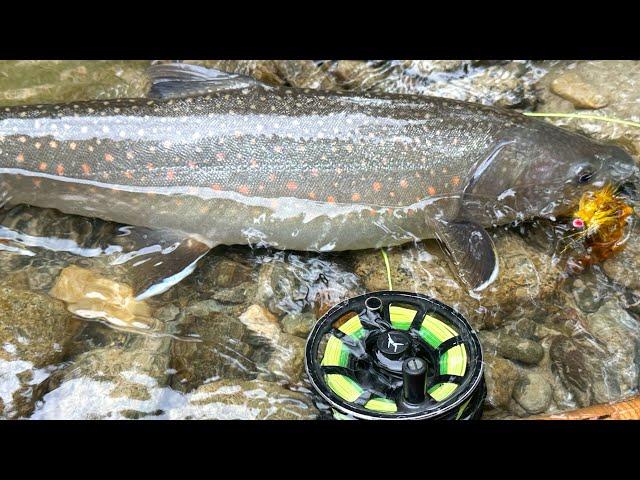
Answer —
395 355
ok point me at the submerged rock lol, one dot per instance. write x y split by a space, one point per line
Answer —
533 393
286 360
624 266
520 349
298 324
619 334
501 377
34 327
211 346
572 87
90 295
527 278
582 367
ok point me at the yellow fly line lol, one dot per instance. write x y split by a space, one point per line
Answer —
386 263
600 118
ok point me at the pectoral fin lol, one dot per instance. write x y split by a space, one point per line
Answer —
173 80
471 252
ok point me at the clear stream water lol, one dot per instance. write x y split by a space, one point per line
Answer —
228 341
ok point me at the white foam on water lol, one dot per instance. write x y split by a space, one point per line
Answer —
85 398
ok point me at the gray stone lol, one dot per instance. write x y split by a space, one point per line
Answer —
533 393
582 367
520 349
167 313
298 324
618 332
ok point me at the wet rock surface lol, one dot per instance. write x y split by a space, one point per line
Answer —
228 341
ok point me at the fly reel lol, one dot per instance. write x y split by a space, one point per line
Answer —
396 355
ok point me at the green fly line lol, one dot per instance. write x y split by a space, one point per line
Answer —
386 263
600 118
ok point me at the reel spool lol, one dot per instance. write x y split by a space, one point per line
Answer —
396 355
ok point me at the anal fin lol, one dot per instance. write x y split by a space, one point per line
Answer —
471 251
155 260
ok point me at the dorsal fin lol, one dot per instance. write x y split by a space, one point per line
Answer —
173 80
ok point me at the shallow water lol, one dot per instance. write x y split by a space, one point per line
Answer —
228 341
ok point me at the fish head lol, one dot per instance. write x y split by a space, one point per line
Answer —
562 171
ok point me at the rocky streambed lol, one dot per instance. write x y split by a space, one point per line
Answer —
228 342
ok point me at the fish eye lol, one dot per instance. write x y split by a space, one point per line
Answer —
585 176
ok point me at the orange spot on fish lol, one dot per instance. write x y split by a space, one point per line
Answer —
243 189
42 166
22 139
53 144
356 197
392 194
314 172
20 158
220 155
216 187
456 180
312 195
431 191
150 166
272 177
130 155
86 169
60 169
377 186
372 212
108 157
404 183
171 175
37 182
72 145
37 144
191 164
292 186
330 199
128 174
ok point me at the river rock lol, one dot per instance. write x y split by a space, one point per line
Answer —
501 377
623 267
619 334
286 360
210 347
34 327
520 349
298 324
582 367
533 393
293 283
527 277
571 86
589 290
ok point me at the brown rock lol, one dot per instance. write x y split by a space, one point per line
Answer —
501 377
571 86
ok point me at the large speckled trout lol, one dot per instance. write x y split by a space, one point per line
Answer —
227 160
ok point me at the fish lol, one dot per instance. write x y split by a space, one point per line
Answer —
212 158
